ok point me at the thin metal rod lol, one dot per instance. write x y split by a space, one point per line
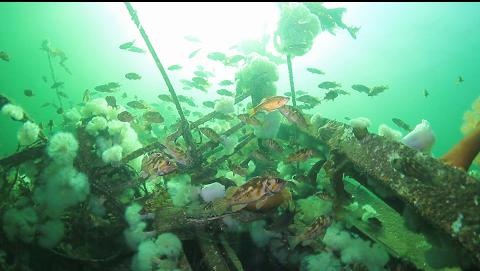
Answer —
187 136
290 77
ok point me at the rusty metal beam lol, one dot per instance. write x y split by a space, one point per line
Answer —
446 197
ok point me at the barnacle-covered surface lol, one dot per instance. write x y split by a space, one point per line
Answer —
438 192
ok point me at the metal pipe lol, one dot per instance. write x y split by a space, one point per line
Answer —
187 136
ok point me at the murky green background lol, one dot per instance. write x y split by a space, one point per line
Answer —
408 46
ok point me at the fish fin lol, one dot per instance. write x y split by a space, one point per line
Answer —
238 207
260 203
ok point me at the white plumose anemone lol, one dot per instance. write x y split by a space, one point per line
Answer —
112 154
14 111
360 123
95 107
73 115
387 132
28 133
95 125
63 148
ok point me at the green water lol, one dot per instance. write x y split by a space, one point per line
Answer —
409 47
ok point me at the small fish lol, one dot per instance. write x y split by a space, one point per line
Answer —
194 53
174 67
401 124
192 38
136 50
315 230
294 115
273 145
460 79
156 164
50 125
234 59
44 78
178 154
308 99
125 116
361 88
331 95
258 155
111 101
425 93
225 92
153 117
57 85
133 76
200 87
211 134
165 98
124 95
187 83
126 45
315 71
239 170
217 56
269 104
305 106
377 90
200 81
4 56
62 94
137 105
225 83
298 93
59 110
245 118
86 96
329 85
340 91
255 194
300 155
187 100
45 105
209 104
113 85
271 172
203 74
109 87
28 93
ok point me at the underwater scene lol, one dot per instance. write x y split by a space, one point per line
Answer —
239 136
